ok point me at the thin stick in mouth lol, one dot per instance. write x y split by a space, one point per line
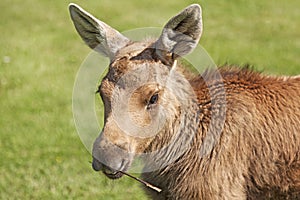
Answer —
143 182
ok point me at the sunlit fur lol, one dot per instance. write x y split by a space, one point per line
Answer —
234 137
258 153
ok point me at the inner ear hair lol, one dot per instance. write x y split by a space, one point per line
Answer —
180 35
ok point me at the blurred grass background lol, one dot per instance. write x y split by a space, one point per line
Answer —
41 155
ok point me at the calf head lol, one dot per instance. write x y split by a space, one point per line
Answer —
143 93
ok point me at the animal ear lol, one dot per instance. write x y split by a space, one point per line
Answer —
181 34
95 33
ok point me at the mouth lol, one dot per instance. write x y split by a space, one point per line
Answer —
115 174
108 171
112 174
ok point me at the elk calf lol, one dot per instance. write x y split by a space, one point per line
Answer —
201 136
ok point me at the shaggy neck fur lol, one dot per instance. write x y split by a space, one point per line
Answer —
242 155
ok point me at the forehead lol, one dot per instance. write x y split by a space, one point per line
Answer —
130 58
128 73
132 70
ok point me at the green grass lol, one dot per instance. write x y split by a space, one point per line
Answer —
41 155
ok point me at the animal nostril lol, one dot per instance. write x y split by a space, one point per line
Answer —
97 166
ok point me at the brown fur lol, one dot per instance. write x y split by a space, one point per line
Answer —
230 133
258 153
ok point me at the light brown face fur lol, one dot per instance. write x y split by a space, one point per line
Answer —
140 104
124 92
137 98
138 91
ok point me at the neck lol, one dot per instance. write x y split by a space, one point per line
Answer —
188 152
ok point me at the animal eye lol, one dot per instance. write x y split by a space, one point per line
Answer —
153 99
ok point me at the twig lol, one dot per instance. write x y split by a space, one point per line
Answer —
143 182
